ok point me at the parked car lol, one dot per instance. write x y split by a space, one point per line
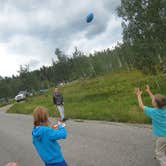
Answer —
21 96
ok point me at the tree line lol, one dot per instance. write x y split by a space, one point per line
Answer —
143 48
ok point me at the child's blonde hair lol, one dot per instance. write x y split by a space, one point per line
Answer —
40 116
160 100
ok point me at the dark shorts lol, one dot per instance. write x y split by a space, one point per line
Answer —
63 163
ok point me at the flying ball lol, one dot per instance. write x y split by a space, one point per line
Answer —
89 17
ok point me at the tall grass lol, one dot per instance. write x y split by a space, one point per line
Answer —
110 97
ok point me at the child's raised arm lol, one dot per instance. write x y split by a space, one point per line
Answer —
58 134
149 92
138 92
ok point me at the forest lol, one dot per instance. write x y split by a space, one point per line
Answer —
143 48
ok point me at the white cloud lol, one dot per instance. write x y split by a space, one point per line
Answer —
30 31
21 50
7 62
107 39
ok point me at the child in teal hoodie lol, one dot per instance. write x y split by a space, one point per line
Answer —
45 138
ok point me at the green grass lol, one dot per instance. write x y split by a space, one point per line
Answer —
109 97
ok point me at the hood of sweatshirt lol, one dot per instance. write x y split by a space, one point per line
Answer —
37 132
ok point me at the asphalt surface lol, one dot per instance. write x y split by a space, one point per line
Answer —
89 143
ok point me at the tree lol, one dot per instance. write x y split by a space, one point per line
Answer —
144 31
60 55
61 67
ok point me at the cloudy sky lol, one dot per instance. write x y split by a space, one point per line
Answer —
31 30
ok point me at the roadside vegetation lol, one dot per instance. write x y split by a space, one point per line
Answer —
110 97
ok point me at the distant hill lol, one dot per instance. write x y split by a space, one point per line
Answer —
110 97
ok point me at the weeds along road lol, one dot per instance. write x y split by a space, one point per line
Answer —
89 143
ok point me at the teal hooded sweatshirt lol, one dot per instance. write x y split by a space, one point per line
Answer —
45 139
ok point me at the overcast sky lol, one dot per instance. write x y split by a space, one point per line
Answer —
31 30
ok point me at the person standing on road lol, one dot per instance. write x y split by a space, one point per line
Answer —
58 101
45 138
158 115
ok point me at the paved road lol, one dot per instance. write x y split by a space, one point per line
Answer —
5 108
89 143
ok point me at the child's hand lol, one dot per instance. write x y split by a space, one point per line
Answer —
147 88
55 126
138 92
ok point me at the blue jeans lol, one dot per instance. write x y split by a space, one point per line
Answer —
63 163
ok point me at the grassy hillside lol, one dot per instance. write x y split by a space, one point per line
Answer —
108 97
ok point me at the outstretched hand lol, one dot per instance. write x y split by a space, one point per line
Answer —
147 89
138 92
55 126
